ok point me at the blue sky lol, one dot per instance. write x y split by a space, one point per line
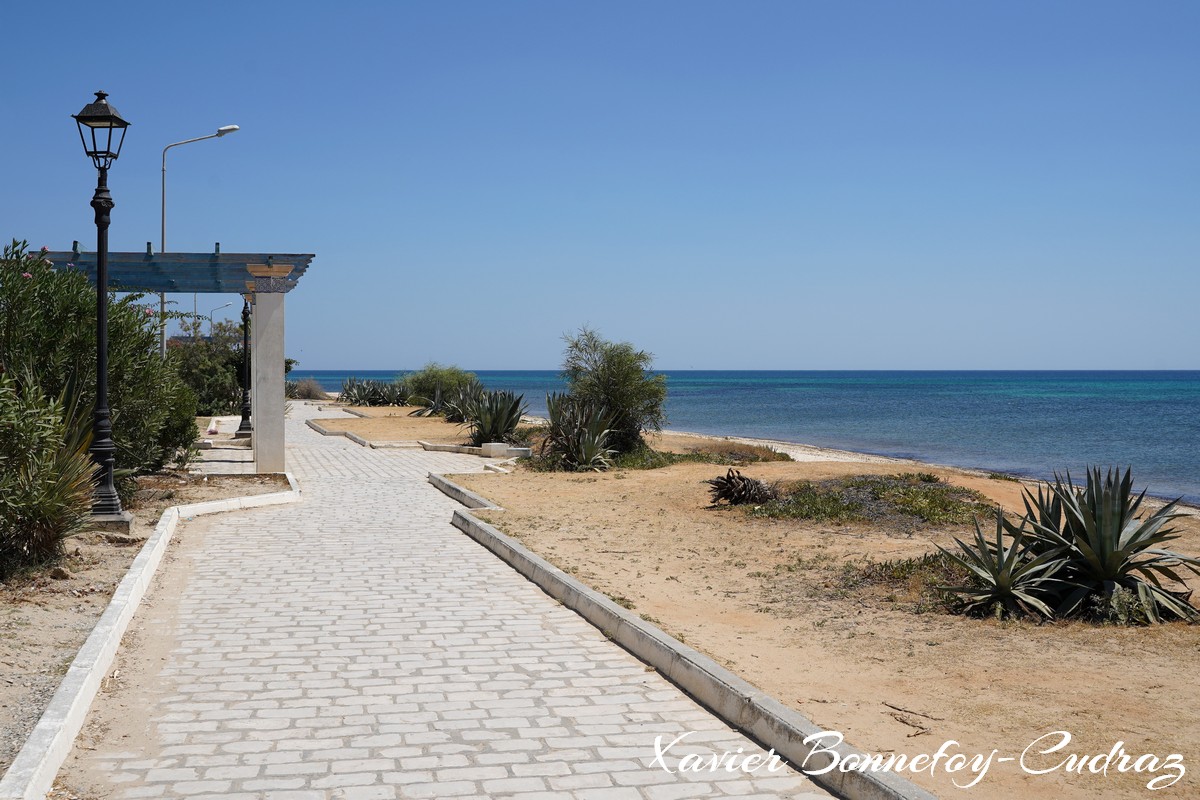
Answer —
737 185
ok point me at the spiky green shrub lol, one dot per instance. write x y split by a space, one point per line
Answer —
1008 577
1109 547
428 406
356 392
1101 551
460 405
494 416
48 329
577 434
618 378
46 473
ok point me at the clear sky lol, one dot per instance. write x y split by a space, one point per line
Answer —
732 185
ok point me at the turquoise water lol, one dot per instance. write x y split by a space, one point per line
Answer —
1030 423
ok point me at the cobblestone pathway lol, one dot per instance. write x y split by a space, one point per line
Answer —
358 646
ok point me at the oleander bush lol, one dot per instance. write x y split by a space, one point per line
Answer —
48 330
1081 552
46 473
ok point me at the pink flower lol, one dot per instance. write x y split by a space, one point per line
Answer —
70 265
45 249
149 312
26 275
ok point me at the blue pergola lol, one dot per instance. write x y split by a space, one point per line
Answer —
192 273
262 278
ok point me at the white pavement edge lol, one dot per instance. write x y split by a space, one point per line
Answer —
32 772
743 707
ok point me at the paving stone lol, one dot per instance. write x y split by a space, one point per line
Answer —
356 646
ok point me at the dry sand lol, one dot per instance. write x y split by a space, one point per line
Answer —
763 597
392 424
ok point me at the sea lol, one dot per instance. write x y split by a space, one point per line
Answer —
1026 423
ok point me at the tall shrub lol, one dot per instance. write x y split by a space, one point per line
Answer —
434 379
48 329
211 366
618 378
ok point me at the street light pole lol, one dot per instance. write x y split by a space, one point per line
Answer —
101 119
210 317
162 242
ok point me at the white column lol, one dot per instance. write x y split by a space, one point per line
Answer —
267 398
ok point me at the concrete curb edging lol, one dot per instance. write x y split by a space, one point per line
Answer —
731 698
354 437
471 450
464 496
32 772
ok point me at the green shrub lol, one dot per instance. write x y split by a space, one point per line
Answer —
48 329
901 499
817 502
616 377
923 496
306 389
211 366
434 378
642 456
46 473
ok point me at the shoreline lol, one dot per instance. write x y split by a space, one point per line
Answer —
809 452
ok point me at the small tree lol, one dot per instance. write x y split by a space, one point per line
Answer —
618 378
211 366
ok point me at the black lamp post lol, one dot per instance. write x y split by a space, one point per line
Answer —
245 429
97 123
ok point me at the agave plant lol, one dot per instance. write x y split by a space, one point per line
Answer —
494 416
1009 575
428 406
460 407
736 489
46 474
1109 547
578 433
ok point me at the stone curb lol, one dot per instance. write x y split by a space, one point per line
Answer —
731 698
354 437
464 496
33 770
